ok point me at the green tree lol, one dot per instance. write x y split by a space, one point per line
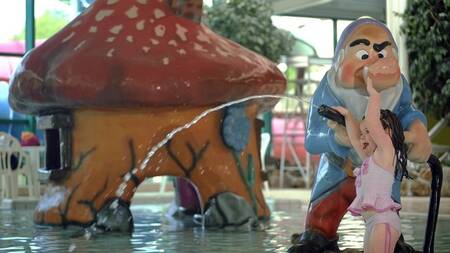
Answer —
249 23
427 27
47 25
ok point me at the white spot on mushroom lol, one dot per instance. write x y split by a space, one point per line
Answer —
132 12
172 43
199 47
165 62
93 29
142 1
245 58
201 36
146 49
159 13
116 29
76 23
110 2
103 14
110 52
221 52
79 45
152 20
159 87
154 42
140 25
68 37
110 39
130 38
181 51
160 30
181 32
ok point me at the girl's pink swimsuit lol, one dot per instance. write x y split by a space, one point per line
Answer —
373 189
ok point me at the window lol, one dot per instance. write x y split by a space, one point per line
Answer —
23 24
316 32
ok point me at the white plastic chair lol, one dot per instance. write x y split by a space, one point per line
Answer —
10 150
265 140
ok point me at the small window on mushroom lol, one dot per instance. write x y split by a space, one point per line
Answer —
58 132
53 155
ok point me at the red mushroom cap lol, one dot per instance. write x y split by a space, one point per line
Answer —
121 54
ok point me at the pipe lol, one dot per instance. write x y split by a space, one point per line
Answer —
433 209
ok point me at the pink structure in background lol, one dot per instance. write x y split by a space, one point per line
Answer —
7 66
9 63
295 131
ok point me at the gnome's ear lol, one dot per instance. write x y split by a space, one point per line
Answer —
339 60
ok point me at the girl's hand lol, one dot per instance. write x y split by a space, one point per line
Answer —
342 110
346 113
370 88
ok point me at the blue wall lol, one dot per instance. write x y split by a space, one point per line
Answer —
7 113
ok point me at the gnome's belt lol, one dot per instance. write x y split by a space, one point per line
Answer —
346 164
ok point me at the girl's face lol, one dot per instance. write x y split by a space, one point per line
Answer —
367 143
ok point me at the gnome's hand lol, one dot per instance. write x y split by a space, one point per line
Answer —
419 144
340 133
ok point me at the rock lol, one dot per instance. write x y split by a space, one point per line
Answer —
115 216
228 210
421 184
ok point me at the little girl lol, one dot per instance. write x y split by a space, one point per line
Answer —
379 141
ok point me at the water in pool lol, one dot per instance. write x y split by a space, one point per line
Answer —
153 232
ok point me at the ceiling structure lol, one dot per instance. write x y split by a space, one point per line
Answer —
334 9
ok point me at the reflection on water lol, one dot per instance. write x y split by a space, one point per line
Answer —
155 233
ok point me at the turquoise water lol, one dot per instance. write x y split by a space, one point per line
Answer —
156 233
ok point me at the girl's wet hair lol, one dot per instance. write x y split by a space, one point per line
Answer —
390 120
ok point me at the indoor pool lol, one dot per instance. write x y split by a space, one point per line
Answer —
154 232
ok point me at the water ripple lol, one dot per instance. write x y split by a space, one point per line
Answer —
155 233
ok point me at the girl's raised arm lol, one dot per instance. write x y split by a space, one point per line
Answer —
376 131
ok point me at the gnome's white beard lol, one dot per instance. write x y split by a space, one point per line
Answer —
355 100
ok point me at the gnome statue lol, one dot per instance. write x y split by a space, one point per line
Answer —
365 43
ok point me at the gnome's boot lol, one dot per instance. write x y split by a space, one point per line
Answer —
322 222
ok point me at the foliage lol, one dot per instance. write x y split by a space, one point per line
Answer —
47 25
249 23
427 27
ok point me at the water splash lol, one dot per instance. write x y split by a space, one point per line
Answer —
170 135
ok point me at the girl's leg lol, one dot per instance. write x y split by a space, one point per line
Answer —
382 239
369 227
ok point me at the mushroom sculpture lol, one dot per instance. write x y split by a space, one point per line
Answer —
114 82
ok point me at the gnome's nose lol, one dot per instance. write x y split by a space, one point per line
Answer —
382 66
